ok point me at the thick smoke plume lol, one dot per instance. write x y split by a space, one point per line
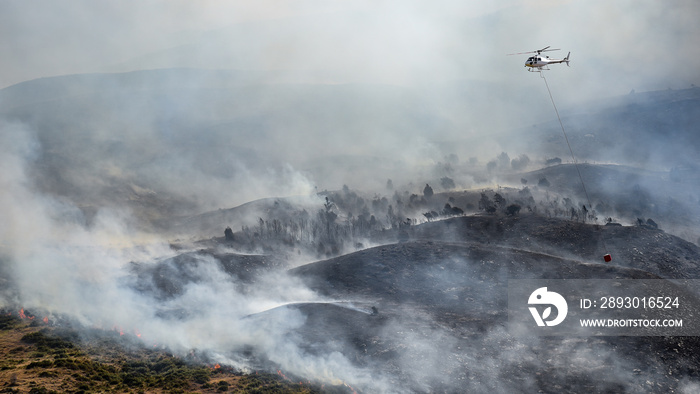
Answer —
57 264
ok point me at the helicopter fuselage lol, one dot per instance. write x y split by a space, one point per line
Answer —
540 61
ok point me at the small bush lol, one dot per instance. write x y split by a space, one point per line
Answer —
65 363
40 364
222 386
45 342
7 322
512 209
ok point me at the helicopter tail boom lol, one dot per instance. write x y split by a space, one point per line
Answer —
566 59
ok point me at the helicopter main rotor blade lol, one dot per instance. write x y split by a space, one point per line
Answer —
519 53
538 51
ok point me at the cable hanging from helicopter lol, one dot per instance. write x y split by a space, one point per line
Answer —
538 63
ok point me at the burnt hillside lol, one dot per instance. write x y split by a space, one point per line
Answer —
638 247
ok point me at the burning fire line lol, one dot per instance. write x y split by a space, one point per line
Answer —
121 332
279 372
22 315
283 375
26 316
350 387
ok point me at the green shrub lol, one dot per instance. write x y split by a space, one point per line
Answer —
222 386
40 364
45 342
67 363
7 322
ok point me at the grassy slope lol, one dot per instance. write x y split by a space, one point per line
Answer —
38 358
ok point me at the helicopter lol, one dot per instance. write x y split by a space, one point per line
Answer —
539 62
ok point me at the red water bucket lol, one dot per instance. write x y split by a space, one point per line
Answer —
607 258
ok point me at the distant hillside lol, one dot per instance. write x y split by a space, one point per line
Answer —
200 138
650 129
177 142
671 198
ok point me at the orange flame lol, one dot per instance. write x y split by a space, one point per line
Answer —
350 387
283 375
117 328
46 319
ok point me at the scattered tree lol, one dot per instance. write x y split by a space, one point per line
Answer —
449 210
499 200
490 166
452 159
574 213
431 215
503 160
428 191
228 234
520 163
447 183
328 217
648 223
513 210
652 223
486 204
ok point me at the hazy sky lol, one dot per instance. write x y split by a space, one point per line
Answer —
616 45
453 51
